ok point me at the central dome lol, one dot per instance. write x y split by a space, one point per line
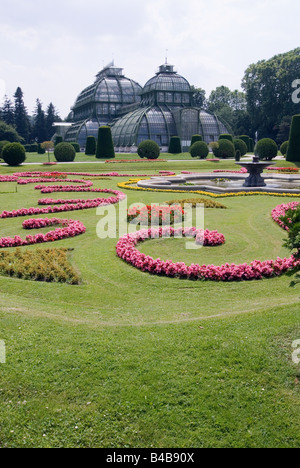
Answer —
167 79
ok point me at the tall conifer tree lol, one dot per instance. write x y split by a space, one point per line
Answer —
21 117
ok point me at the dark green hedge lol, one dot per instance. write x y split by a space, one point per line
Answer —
64 152
175 145
293 152
105 145
246 139
226 136
224 149
91 146
196 138
148 149
199 150
266 148
14 154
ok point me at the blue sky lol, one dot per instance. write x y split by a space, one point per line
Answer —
53 49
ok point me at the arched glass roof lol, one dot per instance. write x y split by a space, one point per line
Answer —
147 123
160 123
106 95
167 80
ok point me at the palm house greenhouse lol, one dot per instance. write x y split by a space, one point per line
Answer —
162 109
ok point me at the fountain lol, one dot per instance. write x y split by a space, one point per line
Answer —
255 168
226 182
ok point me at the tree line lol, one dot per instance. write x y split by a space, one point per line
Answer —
269 99
264 109
17 125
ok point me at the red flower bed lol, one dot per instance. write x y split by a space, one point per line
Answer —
155 215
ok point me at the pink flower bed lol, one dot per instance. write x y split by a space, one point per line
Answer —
126 250
8 178
39 174
70 228
280 211
243 170
66 205
108 161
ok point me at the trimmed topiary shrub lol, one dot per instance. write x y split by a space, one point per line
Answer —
58 139
41 150
76 147
90 146
196 138
241 146
14 154
199 150
223 149
64 152
105 145
293 152
226 136
34 148
2 144
175 145
266 148
237 155
284 148
148 149
246 139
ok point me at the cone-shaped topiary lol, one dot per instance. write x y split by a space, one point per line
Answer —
293 152
105 145
58 139
91 145
196 138
175 145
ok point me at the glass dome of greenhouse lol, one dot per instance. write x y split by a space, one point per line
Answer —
167 87
101 102
162 109
167 79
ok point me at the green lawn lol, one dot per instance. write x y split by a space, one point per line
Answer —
126 359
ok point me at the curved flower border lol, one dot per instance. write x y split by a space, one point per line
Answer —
70 228
256 270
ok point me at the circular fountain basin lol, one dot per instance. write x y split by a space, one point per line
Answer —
224 182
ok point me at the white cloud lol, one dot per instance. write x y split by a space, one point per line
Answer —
53 49
27 38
